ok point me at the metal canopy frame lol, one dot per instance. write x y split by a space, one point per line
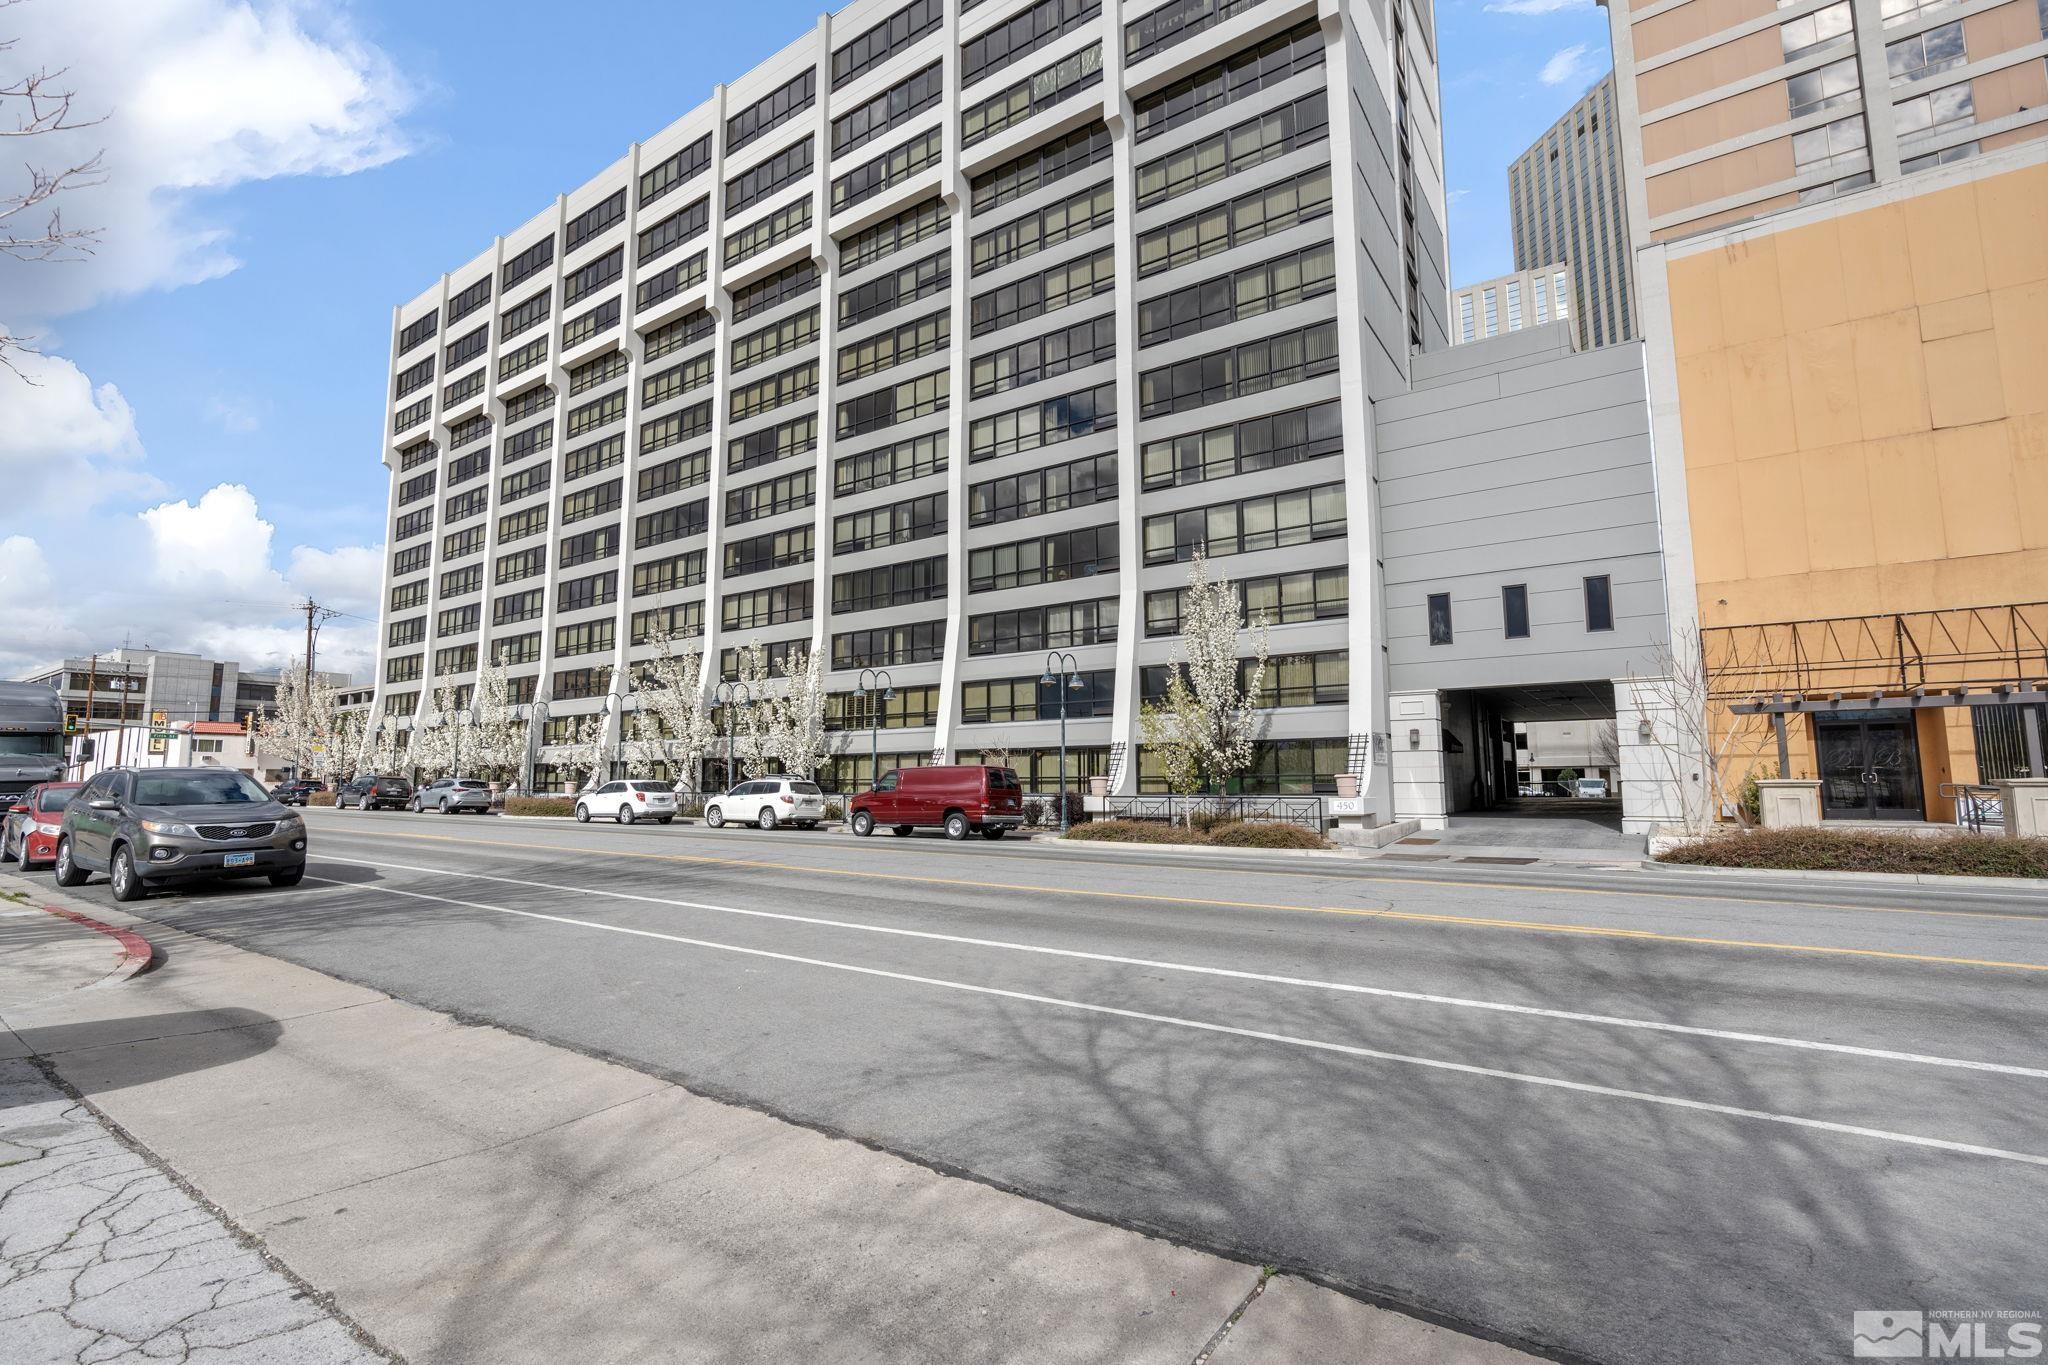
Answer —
1918 699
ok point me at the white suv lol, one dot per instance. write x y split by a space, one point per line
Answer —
768 802
626 802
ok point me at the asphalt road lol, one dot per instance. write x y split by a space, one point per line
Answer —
1605 1116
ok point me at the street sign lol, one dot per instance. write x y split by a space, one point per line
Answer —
158 720
159 743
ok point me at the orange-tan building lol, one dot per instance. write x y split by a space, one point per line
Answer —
1841 218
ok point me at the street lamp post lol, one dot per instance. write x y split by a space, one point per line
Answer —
729 695
874 680
1061 669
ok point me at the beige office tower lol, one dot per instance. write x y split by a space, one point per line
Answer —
1566 199
1841 212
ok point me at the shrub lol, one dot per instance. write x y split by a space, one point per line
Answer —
1241 834
834 811
320 799
1835 850
1034 812
690 808
1077 809
540 805
1133 832
1751 797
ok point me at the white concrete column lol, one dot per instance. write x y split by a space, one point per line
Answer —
1662 782
1417 768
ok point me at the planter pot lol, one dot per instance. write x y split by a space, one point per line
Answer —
1347 784
1098 786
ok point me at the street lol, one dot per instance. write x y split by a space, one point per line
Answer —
1611 1116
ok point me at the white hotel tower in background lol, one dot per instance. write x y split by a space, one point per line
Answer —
840 359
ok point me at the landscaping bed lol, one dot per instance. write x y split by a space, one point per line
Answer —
1830 850
563 807
1229 834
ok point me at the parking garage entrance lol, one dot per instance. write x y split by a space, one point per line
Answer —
1533 764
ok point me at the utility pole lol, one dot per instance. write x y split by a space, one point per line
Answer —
315 615
92 681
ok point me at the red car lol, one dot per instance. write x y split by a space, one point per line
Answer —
957 798
28 833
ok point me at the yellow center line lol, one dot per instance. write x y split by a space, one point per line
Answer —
1413 916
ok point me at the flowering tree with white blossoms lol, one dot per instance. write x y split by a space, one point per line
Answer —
303 723
754 724
436 744
1205 728
383 748
673 714
798 735
494 745
582 754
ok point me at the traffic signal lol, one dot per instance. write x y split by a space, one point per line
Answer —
71 725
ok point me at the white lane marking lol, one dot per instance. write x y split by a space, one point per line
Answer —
1262 1035
1235 974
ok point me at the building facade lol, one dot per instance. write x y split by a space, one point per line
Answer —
1528 298
1567 201
130 686
1839 210
839 361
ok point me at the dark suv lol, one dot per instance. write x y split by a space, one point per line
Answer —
142 826
375 793
295 793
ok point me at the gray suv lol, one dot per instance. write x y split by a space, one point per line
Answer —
144 826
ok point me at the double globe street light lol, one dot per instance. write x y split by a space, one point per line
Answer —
729 695
1061 668
872 680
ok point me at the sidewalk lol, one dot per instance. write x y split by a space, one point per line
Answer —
468 1195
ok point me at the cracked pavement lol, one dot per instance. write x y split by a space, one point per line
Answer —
104 1258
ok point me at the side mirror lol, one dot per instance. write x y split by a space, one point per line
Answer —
104 803
17 810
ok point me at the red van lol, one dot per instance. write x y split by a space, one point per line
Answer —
955 797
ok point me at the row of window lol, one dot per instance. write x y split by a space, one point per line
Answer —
1044 559
1597 591
684 225
888 170
885 350
1250 368
1234 150
1051 225
1235 78
898 104
1281 283
1267 522
1048 422
771 497
918 280
1034 492
1034 94
1023 33
1060 286
1046 356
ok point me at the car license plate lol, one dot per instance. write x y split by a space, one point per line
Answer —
238 860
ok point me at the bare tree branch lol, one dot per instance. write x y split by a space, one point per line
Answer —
38 104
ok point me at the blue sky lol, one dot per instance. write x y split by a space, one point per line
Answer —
285 173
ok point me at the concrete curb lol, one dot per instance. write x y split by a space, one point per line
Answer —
1087 846
136 953
1871 878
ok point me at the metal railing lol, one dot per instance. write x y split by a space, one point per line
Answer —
1306 811
1976 806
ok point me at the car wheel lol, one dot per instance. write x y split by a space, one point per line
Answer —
625 815
714 817
993 832
766 819
901 831
69 873
444 805
291 878
956 826
582 814
128 885
863 823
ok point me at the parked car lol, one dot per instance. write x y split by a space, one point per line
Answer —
296 792
375 793
958 798
626 802
144 826
1590 786
29 833
768 802
451 794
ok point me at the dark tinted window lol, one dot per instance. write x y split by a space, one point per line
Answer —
1514 610
1439 618
1599 603
55 800
197 789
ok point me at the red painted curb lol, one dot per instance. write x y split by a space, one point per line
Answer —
135 950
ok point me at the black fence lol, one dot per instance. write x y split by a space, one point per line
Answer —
1976 806
1306 811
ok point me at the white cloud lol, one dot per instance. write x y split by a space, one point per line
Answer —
236 416
199 95
64 441
1537 6
198 576
1566 66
